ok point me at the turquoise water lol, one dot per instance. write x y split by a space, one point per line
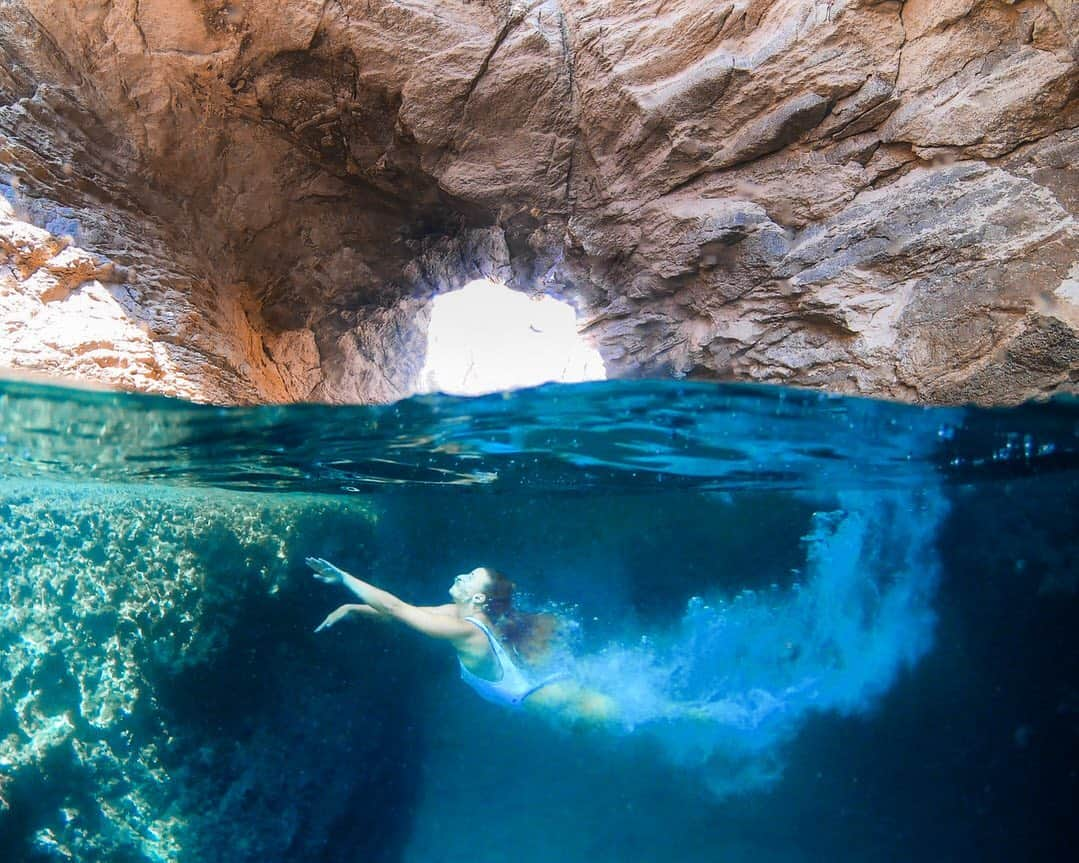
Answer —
836 629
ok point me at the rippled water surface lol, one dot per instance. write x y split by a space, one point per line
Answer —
620 436
835 629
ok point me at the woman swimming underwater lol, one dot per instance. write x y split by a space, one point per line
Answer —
491 640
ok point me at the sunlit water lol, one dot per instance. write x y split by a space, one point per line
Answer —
836 629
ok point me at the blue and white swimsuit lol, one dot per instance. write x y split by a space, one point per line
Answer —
513 686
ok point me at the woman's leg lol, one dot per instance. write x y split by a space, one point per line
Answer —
570 702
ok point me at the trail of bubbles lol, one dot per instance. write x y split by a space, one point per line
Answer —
740 675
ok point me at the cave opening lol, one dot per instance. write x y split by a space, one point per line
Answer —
486 337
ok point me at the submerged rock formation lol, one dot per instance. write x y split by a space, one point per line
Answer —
871 197
156 672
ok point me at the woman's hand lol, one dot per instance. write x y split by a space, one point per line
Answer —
326 571
335 616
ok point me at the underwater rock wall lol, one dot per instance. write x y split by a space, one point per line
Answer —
156 701
870 197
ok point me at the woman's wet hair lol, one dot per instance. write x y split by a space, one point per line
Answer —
528 634
499 594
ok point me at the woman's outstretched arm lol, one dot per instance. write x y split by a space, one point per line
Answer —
343 611
432 622
357 610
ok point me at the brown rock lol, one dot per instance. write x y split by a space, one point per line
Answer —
261 196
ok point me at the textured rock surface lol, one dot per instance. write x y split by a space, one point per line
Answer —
73 314
870 197
147 637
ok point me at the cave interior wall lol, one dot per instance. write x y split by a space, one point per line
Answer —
875 198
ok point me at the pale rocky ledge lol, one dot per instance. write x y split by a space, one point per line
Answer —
256 201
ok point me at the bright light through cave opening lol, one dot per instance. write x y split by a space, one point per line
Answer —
486 337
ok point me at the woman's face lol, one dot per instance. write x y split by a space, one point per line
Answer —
467 585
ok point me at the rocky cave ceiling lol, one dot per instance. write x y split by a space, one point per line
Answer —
254 201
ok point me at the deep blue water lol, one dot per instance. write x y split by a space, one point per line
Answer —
836 629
